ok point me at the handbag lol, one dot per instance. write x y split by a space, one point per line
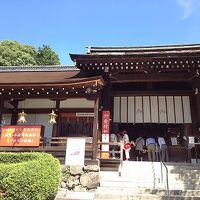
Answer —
127 146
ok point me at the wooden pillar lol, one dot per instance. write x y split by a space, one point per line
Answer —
14 113
1 107
195 105
106 95
106 98
55 126
1 112
95 127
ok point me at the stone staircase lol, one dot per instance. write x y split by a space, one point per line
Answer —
147 180
144 181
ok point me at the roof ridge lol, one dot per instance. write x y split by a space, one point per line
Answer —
39 68
171 47
145 46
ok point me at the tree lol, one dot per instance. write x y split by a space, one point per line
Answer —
12 53
46 56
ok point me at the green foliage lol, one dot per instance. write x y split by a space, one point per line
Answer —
12 53
45 56
17 157
34 176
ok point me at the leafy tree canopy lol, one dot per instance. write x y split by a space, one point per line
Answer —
12 53
45 56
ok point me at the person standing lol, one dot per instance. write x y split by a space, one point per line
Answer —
113 148
163 149
151 147
126 144
139 145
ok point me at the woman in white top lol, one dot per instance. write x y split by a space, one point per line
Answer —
126 143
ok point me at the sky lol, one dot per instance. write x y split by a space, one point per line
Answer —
68 26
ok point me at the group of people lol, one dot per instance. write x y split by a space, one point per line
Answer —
153 148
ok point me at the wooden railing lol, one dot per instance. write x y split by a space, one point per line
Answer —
53 141
118 160
58 144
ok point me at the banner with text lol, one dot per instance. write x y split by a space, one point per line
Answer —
105 133
20 136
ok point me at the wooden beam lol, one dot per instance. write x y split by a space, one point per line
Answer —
16 96
152 93
123 78
48 110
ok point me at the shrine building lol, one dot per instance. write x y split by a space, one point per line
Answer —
149 89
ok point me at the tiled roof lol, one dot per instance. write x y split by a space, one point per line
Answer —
37 68
102 53
161 48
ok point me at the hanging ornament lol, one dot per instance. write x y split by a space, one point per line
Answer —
52 117
21 117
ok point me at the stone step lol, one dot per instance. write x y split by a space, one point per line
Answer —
142 194
158 167
143 197
65 195
130 184
148 191
193 177
181 164
178 185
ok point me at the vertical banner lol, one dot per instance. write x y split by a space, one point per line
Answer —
105 133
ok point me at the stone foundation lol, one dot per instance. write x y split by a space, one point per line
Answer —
80 178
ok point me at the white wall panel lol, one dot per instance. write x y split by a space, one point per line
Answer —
146 109
139 110
8 105
162 109
77 103
36 103
170 109
123 109
154 109
131 110
178 109
186 109
116 113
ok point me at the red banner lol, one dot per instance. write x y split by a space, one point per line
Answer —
105 122
105 133
20 136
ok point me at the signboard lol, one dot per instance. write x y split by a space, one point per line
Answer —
105 133
174 141
20 136
75 151
105 122
84 114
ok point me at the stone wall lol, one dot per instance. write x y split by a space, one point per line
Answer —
80 178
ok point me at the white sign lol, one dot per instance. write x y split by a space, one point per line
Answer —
105 138
84 114
191 140
75 151
174 141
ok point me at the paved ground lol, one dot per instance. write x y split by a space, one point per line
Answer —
64 195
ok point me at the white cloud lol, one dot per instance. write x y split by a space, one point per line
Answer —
189 7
